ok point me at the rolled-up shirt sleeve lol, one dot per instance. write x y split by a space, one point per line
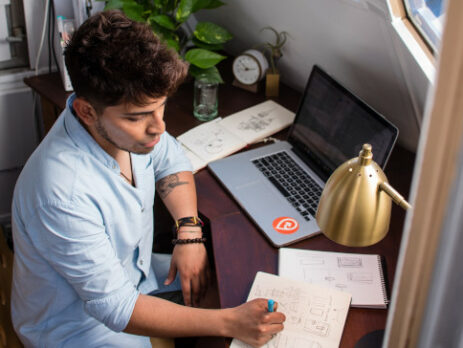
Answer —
75 244
169 158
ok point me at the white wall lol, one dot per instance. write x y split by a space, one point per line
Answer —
353 40
18 133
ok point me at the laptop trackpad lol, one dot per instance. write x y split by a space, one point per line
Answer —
248 185
256 194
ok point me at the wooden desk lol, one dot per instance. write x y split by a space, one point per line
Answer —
239 249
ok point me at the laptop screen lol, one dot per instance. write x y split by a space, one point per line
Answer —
332 124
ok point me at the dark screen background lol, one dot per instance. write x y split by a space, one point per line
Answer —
332 125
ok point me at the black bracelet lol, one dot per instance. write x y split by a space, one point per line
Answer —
188 241
187 221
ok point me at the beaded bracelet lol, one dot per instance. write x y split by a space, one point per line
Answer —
188 241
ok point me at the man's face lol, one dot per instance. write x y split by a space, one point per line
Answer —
131 128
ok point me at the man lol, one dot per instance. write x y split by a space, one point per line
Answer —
82 208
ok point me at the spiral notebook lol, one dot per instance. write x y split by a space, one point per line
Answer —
361 275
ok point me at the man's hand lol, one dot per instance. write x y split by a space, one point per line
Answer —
253 324
178 193
190 260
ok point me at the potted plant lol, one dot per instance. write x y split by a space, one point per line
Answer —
274 52
168 18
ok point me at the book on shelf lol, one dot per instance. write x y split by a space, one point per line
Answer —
223 136
315 315
358 274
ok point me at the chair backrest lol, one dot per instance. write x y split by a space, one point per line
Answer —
7 234
8 337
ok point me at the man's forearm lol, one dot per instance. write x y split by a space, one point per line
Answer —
178 193
153 316
250 322
189 260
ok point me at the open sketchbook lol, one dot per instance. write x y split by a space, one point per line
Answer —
358 274
223 136
315 315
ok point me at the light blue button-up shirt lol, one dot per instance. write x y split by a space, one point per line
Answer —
83 238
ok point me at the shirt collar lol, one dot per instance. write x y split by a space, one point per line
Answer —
82 138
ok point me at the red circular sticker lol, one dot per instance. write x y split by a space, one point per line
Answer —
285 225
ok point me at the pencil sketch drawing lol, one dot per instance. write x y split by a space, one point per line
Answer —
283 340
312 261
360 277
349 262
317 327
356 274
211 142
314 316
257 123
265 113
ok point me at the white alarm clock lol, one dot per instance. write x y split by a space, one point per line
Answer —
250 67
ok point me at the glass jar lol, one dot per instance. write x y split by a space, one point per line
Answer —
206 99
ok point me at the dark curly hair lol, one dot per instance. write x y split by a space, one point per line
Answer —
112 59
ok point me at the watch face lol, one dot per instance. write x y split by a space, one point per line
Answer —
246 69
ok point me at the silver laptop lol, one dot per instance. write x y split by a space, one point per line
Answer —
279 185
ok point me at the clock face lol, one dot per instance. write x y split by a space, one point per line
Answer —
246 69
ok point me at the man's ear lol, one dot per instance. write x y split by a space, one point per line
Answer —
85 111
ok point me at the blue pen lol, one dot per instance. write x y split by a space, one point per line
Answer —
270 305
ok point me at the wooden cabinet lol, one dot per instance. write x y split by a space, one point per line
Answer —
8 337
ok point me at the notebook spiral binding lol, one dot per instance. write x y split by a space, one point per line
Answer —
382 279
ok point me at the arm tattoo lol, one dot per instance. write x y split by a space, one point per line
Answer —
167 184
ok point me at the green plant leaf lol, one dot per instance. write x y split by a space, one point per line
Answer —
167 36
206 46
164 21
170 5
211 33
173 44
215 4
159 4
203 58
113 4
184 10
211 75
133 10
206 4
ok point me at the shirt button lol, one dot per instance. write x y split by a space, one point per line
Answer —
143 209
141 262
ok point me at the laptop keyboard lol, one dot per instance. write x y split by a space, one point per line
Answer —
292 181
